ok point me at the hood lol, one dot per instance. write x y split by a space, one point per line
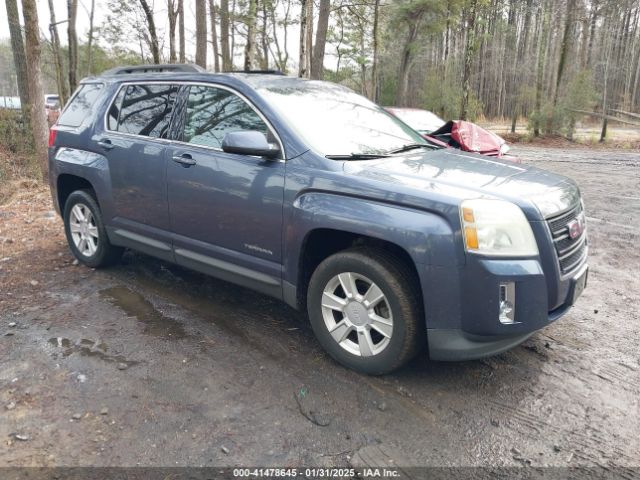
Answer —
464 175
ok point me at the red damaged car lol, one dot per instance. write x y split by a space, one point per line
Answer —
466 136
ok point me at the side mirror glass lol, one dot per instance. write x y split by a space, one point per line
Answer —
249 142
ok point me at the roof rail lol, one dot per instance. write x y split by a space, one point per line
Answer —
155 68
256 72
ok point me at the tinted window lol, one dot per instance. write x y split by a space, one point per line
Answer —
214 112
80 105
146 110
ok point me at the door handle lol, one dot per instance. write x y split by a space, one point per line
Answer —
106 144
185 160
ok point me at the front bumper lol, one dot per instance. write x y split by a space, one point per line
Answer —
478 333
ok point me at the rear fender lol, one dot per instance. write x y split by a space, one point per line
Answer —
90 166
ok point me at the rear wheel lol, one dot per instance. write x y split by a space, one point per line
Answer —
86 233
364 308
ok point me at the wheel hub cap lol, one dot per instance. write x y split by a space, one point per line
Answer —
357 314
84 231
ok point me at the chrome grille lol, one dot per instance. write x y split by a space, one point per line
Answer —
570 251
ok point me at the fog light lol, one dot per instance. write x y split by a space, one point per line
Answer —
507 312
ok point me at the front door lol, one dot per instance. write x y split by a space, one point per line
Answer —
225 209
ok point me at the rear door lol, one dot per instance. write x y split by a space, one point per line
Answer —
226 209
135 144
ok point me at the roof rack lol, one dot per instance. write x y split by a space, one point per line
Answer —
256 72
155 68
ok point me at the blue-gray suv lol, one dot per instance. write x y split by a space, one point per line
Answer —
308 192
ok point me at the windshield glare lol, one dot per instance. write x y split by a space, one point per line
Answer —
420 120
334 120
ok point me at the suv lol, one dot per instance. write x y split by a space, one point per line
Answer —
308 192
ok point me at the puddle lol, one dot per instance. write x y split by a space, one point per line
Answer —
88 348
135 305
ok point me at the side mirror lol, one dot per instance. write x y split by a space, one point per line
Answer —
249 142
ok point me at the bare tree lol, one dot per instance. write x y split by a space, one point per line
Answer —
154 45
317 61
61 80
19 58
564 47
306 38
90 36
227 63
72 11
201 33
181 30
173 11
468 57
214 36
375 93
250 47
38 120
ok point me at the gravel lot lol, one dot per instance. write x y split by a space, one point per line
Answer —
149 364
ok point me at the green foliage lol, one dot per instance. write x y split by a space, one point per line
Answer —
14 136
580 94
16 151
442 96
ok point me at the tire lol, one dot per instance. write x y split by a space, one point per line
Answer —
97 251
390 346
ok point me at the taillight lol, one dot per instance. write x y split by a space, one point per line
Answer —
53 131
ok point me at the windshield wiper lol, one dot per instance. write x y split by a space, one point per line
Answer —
357 156
412 146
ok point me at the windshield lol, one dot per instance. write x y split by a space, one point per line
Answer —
421 120
334 120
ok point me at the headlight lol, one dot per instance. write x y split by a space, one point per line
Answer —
496 227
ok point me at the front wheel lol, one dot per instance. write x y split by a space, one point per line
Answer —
364 308
85 231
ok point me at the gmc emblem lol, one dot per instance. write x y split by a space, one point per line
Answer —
576 227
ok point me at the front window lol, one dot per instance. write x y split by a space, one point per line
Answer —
213 112
334 120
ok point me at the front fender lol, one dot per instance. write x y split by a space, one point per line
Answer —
425 236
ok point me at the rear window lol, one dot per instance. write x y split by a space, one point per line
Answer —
80 105
143 110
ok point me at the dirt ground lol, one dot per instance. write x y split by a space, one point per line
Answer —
149 364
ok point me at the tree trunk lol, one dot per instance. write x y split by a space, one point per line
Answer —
181 39
309 39
375 91
264 38
201 33
173 20
317 61
406 63
214 36
19 59
468 57
90 39
38 120
303 68
540 73
72 10
564 48
151 27
61 80
250 47
227 63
